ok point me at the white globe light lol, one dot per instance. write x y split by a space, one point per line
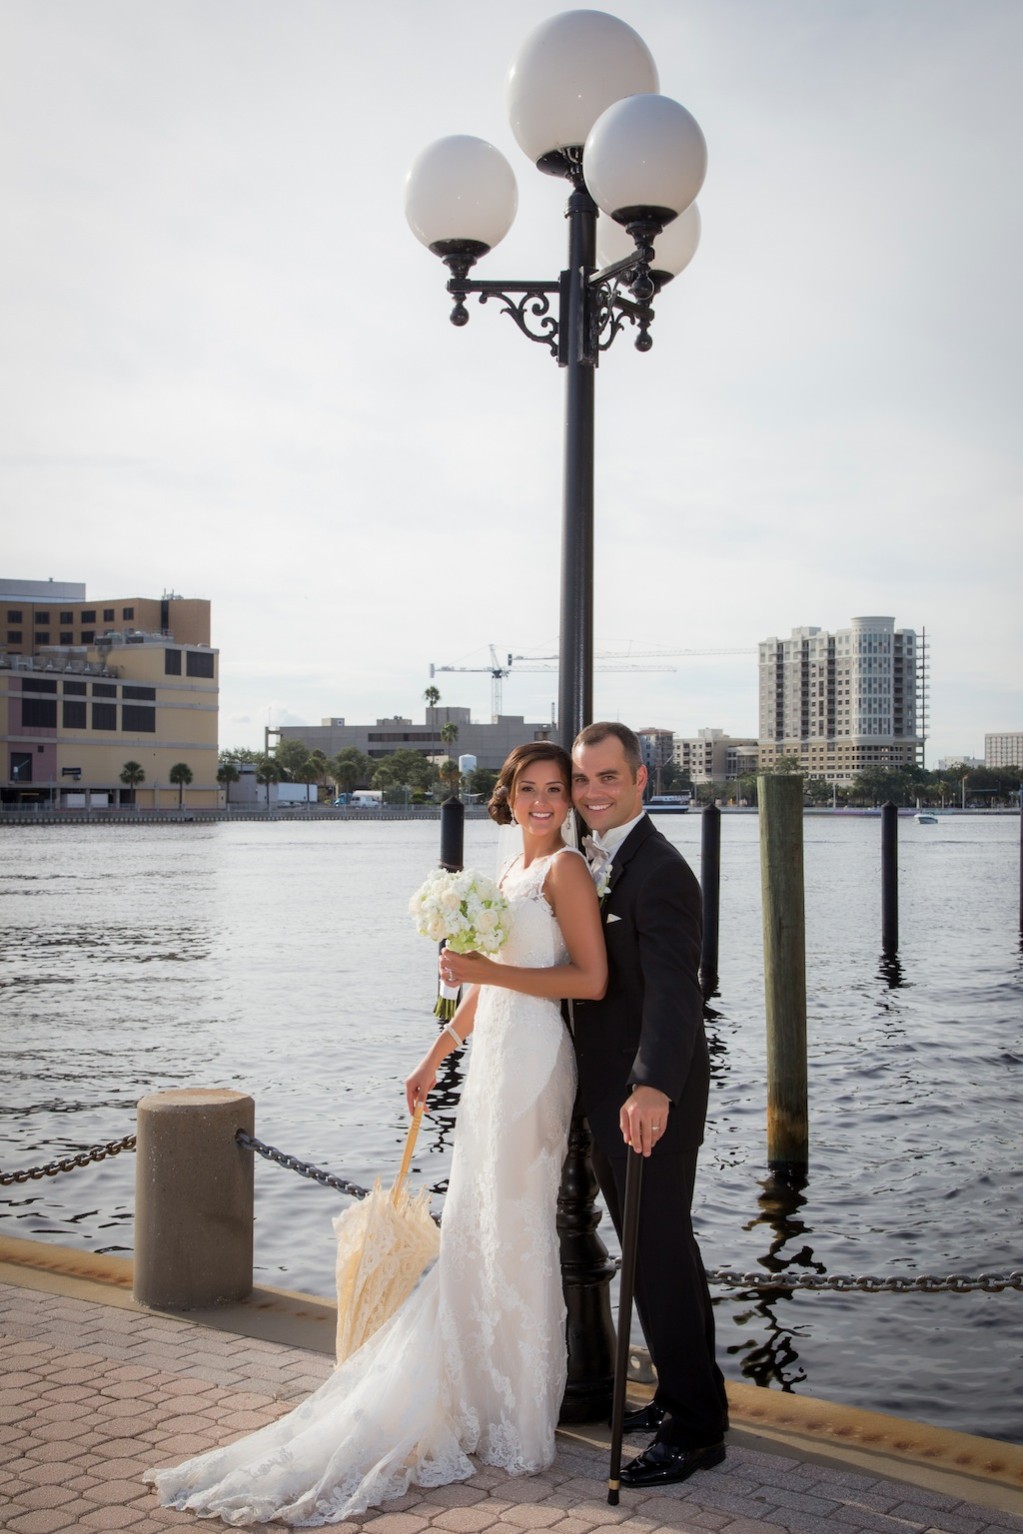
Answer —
645 156
674 247
459 194
569 69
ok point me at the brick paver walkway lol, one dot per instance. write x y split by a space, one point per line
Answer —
91 1395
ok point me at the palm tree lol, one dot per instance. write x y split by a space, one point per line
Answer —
432 696
181 774
131 776
449 770
449 774
315 769
350 769
292 757
267 771
227 773
345 774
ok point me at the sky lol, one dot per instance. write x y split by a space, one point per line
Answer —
226 367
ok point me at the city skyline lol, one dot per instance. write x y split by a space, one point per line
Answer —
229 371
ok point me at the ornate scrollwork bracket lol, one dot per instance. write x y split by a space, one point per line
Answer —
534 304
606 308
610 309
531 311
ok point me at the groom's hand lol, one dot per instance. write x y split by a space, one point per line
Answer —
644 1118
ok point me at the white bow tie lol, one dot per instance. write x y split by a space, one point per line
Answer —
597 855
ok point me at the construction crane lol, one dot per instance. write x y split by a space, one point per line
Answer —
631 654
497 675
497 672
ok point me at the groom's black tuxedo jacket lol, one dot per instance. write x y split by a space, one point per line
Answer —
648 1028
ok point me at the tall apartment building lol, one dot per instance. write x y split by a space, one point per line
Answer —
86 688
1004 750
714 757
840 702
656 748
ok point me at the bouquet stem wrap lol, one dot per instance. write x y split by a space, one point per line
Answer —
447 999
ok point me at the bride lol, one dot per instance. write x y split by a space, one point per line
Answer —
474 1362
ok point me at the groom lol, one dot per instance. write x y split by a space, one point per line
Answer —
643 1081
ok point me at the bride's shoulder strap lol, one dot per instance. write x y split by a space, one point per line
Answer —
549 861
567 848
506 867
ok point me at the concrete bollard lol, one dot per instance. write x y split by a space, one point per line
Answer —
781 876
193 1199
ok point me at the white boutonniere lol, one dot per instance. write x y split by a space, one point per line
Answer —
604 883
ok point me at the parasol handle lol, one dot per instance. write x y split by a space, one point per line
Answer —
406 1159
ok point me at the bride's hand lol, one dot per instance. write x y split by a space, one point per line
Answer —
463 968
422 1081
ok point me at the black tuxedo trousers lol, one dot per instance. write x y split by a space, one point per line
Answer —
648 1030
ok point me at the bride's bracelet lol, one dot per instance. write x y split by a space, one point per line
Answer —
450 1028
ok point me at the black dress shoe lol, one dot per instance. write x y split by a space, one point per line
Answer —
663 1464
646 1419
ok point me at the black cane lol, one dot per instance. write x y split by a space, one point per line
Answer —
626 1289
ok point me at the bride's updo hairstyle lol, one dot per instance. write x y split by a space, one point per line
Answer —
519 760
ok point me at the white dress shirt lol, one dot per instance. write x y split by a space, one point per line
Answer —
604 847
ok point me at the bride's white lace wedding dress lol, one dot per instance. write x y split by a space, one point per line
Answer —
474 1361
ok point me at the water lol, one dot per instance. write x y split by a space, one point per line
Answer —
277 959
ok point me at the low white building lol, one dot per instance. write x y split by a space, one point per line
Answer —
714 757
1004 750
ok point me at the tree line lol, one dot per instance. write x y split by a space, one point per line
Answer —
402 777
408 776
974 787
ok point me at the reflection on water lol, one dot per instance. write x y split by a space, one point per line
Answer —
444 1100
774 1359
278 960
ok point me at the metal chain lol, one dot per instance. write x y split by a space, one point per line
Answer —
69 1163
303 1168
841 1283
959 1283
845 1283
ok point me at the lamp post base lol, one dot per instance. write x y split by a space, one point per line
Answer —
586 1271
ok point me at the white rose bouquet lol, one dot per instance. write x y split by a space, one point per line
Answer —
464 910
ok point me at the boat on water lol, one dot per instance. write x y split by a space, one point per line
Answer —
670 804
925 818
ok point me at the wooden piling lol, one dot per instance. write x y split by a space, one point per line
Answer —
780 798
710 884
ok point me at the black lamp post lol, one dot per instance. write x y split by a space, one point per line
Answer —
583 104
